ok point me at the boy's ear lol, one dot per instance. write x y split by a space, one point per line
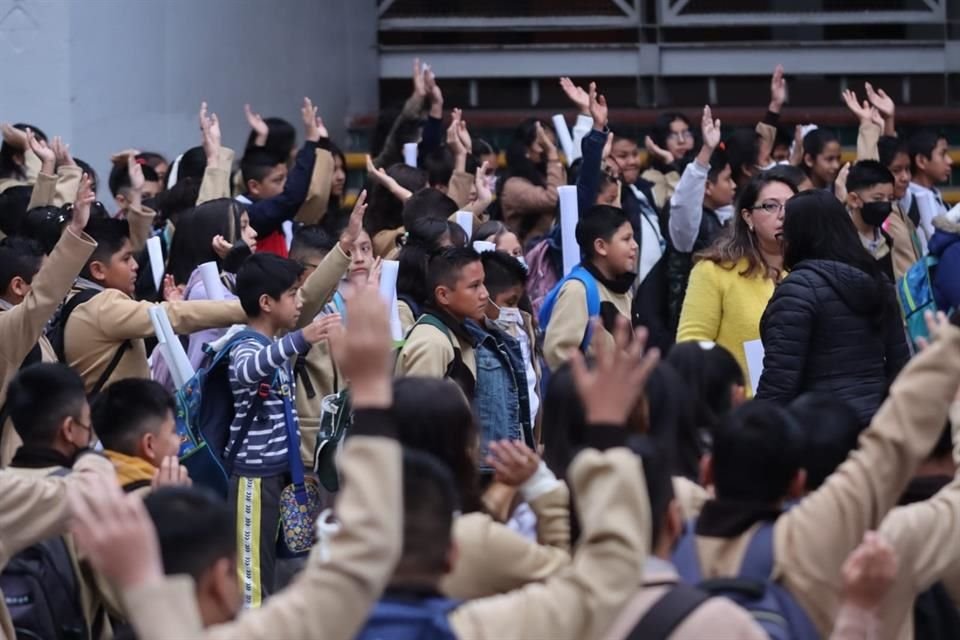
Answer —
921 161
122 201
146 449
266 303
253 187
809 160
442 295
98 270
18 287
600 247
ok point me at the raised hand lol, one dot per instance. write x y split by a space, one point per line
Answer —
868 572
576 94
482 185
598 108
171 474
210 134
220 246
544 141
436 95
514 462
135 173
14 137
655 149
778 89
380 175
364 350
373 278
171 292
355 225
419 81
796 152
48 159
62 151
840 183
710 129
311 122
256 123
880 100
454 141
81 206
861 110
612 388
319 329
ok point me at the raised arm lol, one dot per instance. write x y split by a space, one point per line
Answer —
686 203
413 108
318 194
767 128
216 175
140 218
592 146
871 125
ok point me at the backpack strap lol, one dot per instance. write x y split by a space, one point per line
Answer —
685 557
668 612
758 558
111 367
433 321
130 487
77 299
581 275
263 392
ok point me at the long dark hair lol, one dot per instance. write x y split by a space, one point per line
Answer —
737 242
384 210
423 240
518 164
12 158
432 415
196 228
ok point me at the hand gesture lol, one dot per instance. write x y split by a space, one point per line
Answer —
81 206
210 134
936 324
710 129
482 184
113 531
355 224
364 351
514 462
880 100
220 246
544 141
259 127
862 111
796 151
319 329
419 81
171 474
598 108
380 175
612 388
576 94
840 184
373 278
311 122
48 158
654 149
62 151
436 96
16 138
171 292
778 89
868 572
454 141
135 173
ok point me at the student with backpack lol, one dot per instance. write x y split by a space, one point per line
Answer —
796 554
945 250
334 595
134 420
48 594
869 200
31 290
100 330
439 345
598 288
263 447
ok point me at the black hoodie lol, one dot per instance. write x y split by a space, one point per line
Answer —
833 328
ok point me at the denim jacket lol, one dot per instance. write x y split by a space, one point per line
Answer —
500 398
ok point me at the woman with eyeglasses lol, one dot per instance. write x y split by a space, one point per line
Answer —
670 140
733 279
833 325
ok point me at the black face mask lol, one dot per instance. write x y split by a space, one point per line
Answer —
874 213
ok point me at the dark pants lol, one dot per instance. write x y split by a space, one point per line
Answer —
256 510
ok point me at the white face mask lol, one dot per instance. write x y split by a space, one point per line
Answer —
523 261
510 319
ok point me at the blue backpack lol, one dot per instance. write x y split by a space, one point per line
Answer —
205 411
773 608
915 293
593 301
398 620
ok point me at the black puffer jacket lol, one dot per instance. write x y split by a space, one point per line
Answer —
831 327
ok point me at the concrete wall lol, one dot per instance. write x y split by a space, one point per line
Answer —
111 74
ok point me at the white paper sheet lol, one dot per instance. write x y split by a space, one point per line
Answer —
410 154
753 350
173 352
388 291
465 220
155 252
569 217
482 246
563 137
210 275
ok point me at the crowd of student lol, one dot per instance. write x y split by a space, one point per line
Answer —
504 445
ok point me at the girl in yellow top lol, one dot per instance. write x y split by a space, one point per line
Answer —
733 280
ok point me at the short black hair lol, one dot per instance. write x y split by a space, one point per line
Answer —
257 165
830 429
445 268
719 160
427 203
788 173
195 529
742 147
888 147
110 235
439 166
13 209
601 221
311 239
265 273
922 143
40 397
757 451
19 257
867 173
501 271
127 409
45 225
119 179
429 502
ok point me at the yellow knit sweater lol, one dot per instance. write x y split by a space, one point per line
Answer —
724 307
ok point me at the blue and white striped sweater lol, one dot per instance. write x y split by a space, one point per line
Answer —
264 451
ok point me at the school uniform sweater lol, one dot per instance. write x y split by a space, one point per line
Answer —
813 539
529 210
428 351
725 307
33 509
22 325
264 450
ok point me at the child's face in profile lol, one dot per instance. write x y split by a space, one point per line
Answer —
165 442
120 272
621 251
468 299
285 311
271 185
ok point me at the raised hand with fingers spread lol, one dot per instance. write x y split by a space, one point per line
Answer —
885 105
576 94
598 108
48 159
171 292
258 125
355 225
864 112
81 206
171 474
62 151
311 121
778 90
513 461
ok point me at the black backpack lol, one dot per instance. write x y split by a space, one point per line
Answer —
668 612
42 591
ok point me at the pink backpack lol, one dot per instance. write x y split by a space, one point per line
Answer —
541 276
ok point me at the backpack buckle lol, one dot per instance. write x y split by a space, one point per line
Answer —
264 390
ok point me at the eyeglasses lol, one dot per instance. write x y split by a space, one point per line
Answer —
686 134
309 265
769 206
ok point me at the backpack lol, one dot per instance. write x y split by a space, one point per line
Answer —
935 616
205 411
541 275
593 310
423 620
42 591
773 608
336 417
915 294
668 612
58 328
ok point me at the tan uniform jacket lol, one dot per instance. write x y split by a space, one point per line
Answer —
568 322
